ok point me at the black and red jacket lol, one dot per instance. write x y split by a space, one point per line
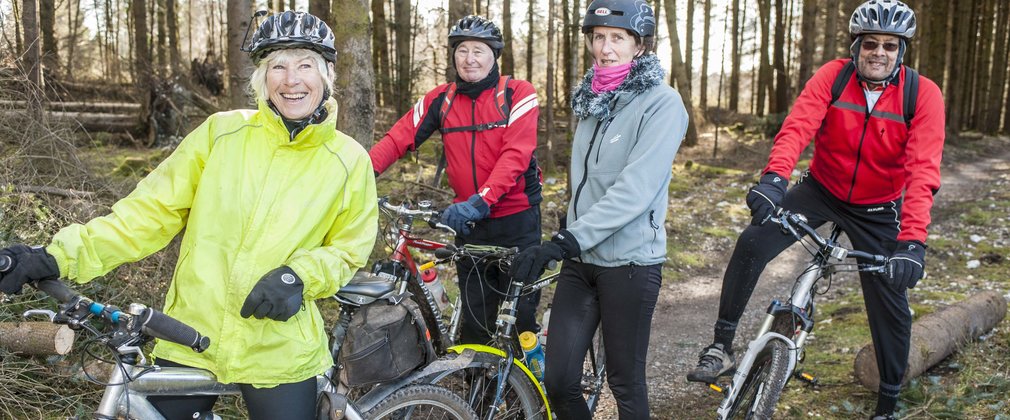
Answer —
497 163
867 158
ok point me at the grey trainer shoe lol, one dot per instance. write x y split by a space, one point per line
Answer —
714 361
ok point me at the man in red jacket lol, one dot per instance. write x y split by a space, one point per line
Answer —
489 132
872 174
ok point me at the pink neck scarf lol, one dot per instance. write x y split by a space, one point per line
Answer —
606 79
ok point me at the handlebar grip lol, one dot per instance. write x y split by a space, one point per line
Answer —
446 252
5 263
57 289
158 325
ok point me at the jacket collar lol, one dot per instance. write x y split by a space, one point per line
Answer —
308 137
646 72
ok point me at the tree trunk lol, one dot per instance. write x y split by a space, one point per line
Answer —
703 102
831 31
933 41
18 43
36 338
566 52
937 335
401 21
47 25
689 48
808 31
957 75
551 94
162 41
457 9
997 81
321 8
734 69
508 61
355 82
781 102
172 25
239 63
677 67
380 54
983 74
74 24
31 65
142 65
529 43
764 67
1006 54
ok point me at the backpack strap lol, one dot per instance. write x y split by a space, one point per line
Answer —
911 94
501 102
841 81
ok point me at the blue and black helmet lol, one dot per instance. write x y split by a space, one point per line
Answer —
634 15
293 30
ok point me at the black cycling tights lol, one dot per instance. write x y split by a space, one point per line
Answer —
622 300
285 401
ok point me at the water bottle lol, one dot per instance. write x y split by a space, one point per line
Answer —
534 354
434 285
543 327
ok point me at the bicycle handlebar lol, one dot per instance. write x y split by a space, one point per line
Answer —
791 220
148 321
426 213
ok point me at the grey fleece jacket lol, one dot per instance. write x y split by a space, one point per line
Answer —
622 155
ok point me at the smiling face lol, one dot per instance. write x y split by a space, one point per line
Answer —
613 46
878 63
474 60
295 85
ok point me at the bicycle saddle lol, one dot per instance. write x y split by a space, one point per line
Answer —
365 288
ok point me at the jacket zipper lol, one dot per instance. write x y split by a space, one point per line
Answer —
473 143
606 125
585 174
859 154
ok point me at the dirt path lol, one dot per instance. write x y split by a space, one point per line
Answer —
686 311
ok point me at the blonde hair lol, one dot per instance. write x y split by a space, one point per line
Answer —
258 79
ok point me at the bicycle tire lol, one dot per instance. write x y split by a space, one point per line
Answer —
594 371
436 326
761 390
422 402
478 379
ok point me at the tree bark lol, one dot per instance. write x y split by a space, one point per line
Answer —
529 43
380 54
172 25
677 67
983 75
566 52
457 9
831 13
508 61
73 25
734 69
354 87
808 31
961 24
162 46
551 94
239 63
703 102
401 21
142 65
1006 54
937 335
47 25
781 102
36 338
689 48
997 81
321 8
764 67
32 64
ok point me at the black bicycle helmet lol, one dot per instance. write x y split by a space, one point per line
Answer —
476 28
634 15
889 17
293 30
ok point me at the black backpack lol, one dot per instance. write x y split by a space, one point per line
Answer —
910 89
386 340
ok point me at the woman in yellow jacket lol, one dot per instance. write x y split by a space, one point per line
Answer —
279 210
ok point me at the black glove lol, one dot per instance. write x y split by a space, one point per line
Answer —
905 267
27 264
457 216
764 197
277 295
531 262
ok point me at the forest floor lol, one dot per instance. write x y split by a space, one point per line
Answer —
969 252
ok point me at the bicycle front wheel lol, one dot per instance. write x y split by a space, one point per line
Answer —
761 390
422 402
477 383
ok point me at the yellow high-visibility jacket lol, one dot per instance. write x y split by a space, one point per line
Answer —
251 200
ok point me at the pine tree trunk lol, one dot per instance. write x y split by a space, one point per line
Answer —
47 25
321 8
983 76
239 63
781 102
529 42
734 69
401 21
141 65
457 9
508 61
162 46
354 87
551 94
172 24
689 48
764 68
566 52
74 24
380 54
830 32
997 82
808 31
677 67
31 65
703 99
961 24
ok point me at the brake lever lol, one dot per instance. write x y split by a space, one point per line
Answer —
45 312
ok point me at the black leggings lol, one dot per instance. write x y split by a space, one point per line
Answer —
285 401
621 300
873 229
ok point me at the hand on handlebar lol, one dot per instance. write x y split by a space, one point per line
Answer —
905 267
460 216
530 264
20 264
765 197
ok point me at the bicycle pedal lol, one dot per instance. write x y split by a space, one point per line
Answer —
807 378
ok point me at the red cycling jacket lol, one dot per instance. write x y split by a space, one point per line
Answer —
867 158
497 163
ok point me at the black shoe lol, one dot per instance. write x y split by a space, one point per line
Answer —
883 417
714 361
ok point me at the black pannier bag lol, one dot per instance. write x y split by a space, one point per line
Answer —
386 340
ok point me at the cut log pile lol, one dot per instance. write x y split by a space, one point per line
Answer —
114 117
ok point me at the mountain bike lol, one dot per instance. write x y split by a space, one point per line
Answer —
772 357
132 379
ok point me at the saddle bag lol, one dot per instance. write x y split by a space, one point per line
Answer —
386 340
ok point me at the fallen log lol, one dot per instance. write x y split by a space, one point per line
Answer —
937 335
92 107
36 338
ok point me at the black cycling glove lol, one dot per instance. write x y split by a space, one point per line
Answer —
764 197
277 295
459 215
27 264
905 267
531 262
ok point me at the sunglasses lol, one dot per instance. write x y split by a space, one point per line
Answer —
872 46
